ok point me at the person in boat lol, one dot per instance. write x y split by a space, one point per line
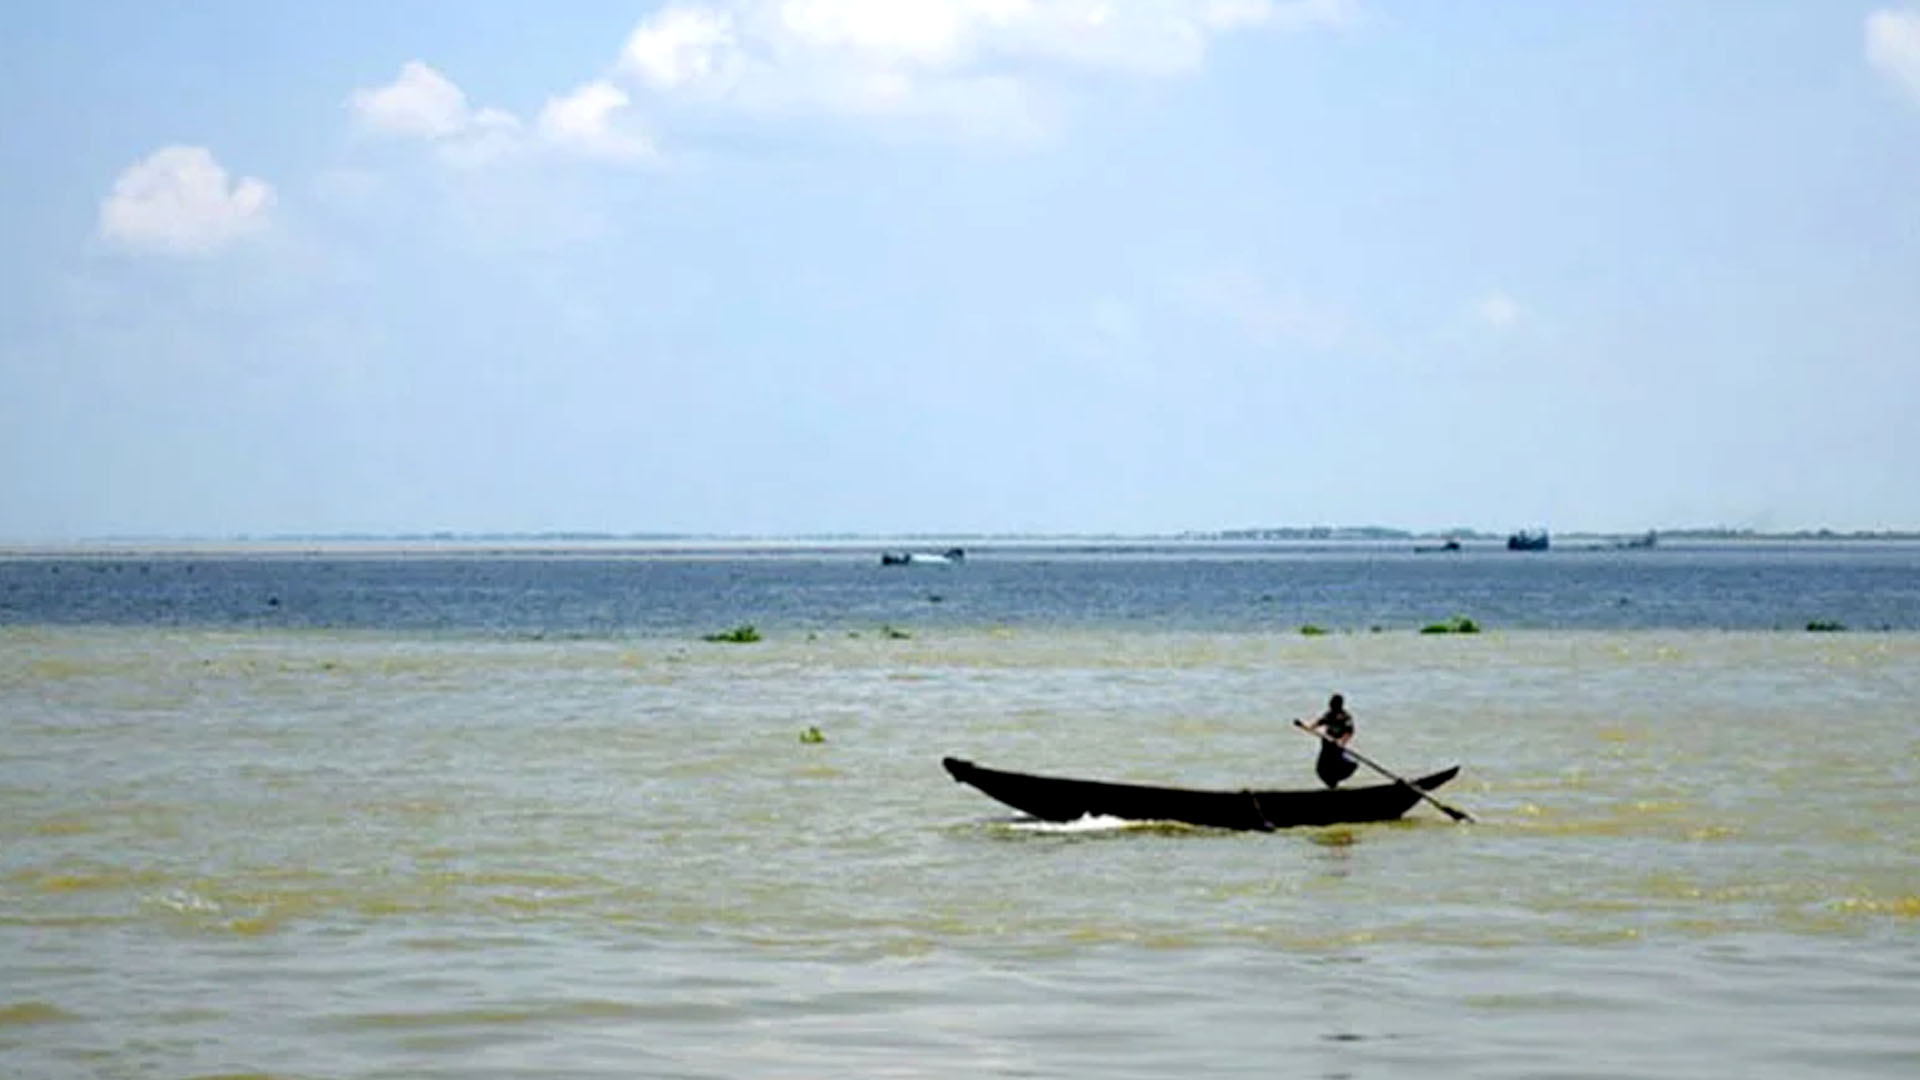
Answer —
1334 765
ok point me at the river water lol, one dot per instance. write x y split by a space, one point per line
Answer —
479 817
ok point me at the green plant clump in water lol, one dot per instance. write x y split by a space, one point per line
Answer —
1459 624
743 634
893 633
1825 626
1310 630
811 736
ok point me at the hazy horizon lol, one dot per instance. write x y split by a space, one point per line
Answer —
1255 534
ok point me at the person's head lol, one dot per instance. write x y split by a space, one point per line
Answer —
1336 703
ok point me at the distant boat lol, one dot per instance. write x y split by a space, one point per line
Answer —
1450 545
1528 541
908 558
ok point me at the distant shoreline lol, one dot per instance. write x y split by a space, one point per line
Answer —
578 543
1279 532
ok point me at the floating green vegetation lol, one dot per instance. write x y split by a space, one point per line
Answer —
894 633
1311 630
1459 624
744 634
1825 626
812 736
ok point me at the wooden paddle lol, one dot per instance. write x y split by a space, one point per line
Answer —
1457 815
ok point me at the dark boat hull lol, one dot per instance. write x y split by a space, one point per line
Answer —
1053 798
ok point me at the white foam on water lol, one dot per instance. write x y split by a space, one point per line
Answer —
1089 823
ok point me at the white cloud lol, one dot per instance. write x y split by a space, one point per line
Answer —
424 104
1497 310
976 67
177 200
1226 14
490 135
586 121
681 46
421 102
936 59
1893 48
933 32
1288 14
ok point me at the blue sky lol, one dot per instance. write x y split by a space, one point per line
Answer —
801 266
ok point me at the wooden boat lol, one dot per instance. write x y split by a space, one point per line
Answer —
1053 798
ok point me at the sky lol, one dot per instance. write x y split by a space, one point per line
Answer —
800 267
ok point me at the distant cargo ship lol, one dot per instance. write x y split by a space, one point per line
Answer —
1528 541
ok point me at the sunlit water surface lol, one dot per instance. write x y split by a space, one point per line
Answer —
351 854
450 815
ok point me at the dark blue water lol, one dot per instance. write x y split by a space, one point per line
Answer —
1338 587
